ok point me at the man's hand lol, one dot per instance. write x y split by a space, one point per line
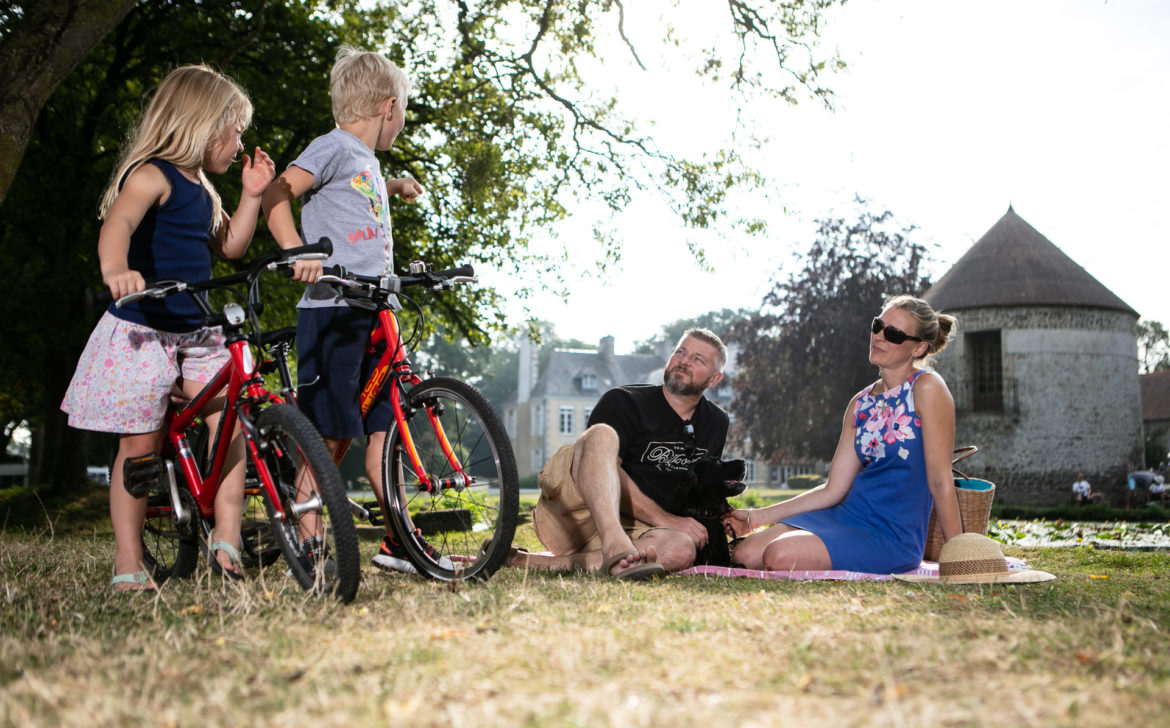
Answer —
692 528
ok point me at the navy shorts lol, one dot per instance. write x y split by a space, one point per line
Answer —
333 364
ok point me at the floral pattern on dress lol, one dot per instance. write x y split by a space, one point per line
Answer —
886 419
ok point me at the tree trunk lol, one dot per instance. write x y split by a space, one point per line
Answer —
41 48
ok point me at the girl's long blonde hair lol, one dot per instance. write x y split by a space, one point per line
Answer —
191 108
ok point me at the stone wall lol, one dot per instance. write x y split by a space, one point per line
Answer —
1073 402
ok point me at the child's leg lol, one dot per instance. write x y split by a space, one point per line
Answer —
229 499
127 513
374 446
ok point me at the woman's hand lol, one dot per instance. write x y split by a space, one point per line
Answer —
736 522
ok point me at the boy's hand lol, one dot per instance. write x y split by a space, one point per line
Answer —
258 172
307 271
405 187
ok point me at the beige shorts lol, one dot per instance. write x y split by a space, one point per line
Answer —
562 521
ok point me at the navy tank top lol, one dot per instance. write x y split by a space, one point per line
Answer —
171 242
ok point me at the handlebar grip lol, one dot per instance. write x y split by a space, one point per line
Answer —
463 270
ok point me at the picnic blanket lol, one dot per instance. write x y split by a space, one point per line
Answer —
926 568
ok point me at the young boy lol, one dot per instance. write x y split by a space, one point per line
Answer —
345 198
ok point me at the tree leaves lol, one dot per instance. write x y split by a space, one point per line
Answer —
804 354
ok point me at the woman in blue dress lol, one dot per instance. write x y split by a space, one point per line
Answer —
892 463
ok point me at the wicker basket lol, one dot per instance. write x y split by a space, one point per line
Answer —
974 496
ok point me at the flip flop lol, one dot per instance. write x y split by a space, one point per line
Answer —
141 578
638 572
232 553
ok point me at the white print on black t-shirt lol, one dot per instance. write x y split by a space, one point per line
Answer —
670 456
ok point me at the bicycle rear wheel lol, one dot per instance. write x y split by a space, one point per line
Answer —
463 527
316 534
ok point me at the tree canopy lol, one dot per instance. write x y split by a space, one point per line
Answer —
804 354
503 129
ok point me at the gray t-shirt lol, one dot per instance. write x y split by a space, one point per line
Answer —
347 204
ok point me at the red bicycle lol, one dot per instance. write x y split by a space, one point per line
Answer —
448 471
309 519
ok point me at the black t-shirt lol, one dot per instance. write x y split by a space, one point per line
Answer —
655 449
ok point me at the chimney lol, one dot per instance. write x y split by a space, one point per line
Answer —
527 363
605 348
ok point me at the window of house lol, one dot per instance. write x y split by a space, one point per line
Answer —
986 361
565 421
537 459
589 382
587 413
537 420
510 422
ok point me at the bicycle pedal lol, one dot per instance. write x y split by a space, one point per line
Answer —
142 474
374 513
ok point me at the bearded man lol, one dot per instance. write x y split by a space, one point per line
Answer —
609 503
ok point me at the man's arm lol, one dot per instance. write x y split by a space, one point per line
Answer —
637 504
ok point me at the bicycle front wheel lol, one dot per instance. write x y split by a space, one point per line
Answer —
456 514
316 532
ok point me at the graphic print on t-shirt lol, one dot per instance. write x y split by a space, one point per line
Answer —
369 183
671 457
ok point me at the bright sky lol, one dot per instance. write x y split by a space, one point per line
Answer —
949 112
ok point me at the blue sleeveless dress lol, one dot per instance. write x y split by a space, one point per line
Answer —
880 526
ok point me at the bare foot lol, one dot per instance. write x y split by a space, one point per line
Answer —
640 564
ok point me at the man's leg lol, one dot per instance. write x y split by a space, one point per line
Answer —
594 476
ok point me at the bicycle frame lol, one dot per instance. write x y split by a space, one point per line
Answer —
393 361
242 388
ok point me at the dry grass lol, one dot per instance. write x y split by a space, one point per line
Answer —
530 649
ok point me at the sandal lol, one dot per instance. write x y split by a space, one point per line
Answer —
233 554
638 572
140 578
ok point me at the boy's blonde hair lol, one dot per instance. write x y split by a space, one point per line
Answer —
189 110
360 81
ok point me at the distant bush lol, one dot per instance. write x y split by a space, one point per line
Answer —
804 482
1073 512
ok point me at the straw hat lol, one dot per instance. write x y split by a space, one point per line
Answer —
971 558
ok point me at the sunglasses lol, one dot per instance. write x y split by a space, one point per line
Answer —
893 335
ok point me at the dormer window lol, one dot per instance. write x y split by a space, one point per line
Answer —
588 382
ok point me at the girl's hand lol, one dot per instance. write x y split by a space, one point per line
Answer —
123 282
258 172
406 188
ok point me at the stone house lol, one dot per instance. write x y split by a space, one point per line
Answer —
1044 368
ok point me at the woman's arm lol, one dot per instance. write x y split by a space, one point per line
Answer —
936 408
842 471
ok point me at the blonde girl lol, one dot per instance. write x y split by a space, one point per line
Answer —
162 219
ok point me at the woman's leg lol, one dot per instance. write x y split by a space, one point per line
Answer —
783 548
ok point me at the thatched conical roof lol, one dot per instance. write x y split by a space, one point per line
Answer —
1014 265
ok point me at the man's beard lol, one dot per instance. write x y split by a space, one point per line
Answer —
676 386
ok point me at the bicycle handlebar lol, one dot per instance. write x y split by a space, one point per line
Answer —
270 261
390 284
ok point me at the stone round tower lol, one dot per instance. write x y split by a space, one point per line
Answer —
1044 368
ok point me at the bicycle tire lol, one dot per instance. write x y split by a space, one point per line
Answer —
471 528
286 442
